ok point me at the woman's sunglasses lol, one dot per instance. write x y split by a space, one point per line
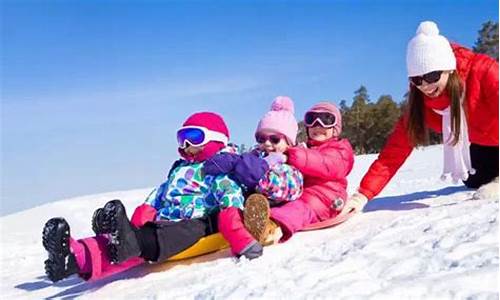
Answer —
431 77
273 138
324 119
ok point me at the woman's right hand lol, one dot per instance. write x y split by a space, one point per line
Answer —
355 203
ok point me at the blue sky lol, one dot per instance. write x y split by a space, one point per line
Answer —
93 91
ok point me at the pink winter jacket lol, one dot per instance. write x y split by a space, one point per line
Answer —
325 167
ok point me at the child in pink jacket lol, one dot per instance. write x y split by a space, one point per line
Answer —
325 163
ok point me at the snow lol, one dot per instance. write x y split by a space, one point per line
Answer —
420 239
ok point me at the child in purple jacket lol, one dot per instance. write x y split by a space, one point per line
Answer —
263 170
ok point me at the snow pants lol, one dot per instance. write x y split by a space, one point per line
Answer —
484 160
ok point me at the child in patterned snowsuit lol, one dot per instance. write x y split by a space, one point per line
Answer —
263 170
275 133
174 216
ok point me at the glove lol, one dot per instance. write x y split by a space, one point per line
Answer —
142 214
355 203
221 163
249 170
253 251
275 158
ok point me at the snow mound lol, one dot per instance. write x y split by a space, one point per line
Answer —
420 239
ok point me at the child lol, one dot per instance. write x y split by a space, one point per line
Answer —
276 182
325 165
175 215
276 132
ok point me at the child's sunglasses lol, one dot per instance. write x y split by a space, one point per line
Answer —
273 138
431 77
324 119
198 136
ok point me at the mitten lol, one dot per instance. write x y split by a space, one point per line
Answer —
355 203
275 158
221 163
249 170
142 214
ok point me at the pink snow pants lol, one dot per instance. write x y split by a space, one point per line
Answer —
92 259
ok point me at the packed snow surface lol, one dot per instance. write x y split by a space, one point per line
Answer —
421 238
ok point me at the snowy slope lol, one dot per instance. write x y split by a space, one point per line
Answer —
420 239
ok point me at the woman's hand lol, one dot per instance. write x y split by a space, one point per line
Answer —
355 203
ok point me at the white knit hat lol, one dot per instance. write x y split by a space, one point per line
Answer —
429 51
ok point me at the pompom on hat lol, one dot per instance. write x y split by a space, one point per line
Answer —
429 51
280 119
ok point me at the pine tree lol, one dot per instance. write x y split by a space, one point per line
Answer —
487 42
385 113
360 121
343 106
243 148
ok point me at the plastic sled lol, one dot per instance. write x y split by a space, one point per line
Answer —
205 245
328 223
216 242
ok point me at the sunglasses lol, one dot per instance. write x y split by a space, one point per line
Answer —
324 119
431 77
273 138
198 136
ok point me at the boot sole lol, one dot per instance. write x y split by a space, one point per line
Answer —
58 249
100 225
49 237
256 216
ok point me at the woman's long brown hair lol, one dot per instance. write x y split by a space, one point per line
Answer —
417 130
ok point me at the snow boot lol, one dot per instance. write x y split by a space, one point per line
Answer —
256 217
61 262
99 224
123 242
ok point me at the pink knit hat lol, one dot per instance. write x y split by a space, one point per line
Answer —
330 108
280 119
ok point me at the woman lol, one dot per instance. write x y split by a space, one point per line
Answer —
453 91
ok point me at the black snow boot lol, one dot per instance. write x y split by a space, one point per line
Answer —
123 242
99 224
61 262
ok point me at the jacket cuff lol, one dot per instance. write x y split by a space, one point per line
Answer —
368 194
